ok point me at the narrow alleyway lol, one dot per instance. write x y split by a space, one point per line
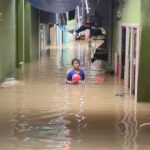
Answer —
42 112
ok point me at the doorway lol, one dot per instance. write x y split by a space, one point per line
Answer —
123 50
129 56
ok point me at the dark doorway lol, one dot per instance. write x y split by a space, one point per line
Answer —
123 49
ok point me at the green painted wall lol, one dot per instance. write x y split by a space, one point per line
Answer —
31 33
131 11
130 14
27 32
27 29
137 12
7 38
34 53
20 31
18 35
144 67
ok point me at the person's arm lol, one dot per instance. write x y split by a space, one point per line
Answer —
73 82
69 82
68 78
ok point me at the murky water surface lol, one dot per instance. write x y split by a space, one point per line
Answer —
42 112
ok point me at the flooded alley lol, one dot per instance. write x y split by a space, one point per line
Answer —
40 111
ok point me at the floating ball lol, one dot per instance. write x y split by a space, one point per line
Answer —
100 79
76 77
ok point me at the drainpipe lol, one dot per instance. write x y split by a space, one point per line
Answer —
23 59
39 36
110 32
83 12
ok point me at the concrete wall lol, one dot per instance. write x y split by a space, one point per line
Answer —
7 38
53 35
103 19
144 67
18 35
103 12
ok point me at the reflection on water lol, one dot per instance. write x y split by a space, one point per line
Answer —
131 126
128 125
44 133
42 112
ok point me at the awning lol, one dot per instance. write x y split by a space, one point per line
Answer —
55 6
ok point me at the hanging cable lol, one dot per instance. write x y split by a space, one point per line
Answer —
97 4
87 6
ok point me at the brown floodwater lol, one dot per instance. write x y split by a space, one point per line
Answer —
40 111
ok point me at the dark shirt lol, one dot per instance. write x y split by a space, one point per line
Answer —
72 72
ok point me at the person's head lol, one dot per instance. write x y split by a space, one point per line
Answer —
76 63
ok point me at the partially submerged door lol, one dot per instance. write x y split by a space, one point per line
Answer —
129 57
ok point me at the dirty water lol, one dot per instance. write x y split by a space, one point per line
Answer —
42 112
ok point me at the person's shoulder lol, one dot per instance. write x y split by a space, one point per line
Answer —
81 70
70 71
